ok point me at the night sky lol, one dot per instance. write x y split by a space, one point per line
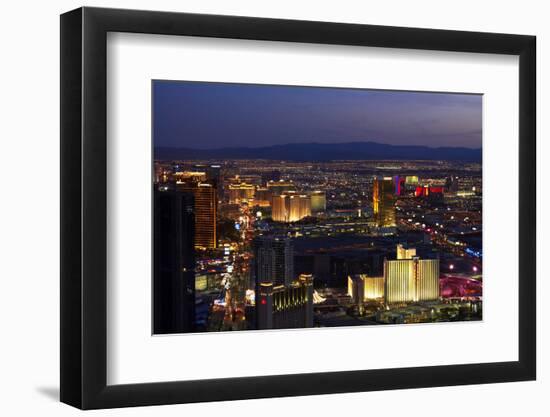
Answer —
214 115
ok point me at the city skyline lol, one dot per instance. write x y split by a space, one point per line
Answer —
257 234
205 115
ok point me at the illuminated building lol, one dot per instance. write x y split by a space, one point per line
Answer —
356 288
174 262
399 183
405 253
383 200
239 193
193 176
285 307
465 194
206 208
318 201
300 207
201 282
263 193
374 287
290 207
261 203
427 191
278 209
262 197
161 175
279 187
411 180
451 184
273 260
410 279
250 179
207 281
362 288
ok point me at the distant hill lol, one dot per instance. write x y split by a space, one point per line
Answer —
324 152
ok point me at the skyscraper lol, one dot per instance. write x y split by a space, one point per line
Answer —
206 208
290 207
362 288
451 184
383 202
404 252
273 260
399 183
174 262
285 307
356 288
318 201
215 177
410 279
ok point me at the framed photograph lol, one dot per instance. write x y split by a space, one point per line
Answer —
257 208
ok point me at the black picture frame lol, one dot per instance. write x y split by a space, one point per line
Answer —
84 207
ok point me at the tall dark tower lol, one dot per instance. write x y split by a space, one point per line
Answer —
214 175
273 260
174 262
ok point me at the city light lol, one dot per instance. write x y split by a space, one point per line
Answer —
267 235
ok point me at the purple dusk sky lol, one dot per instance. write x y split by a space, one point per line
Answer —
214 115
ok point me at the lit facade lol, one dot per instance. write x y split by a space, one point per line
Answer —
383 202
290 207
410 280
239 193
374 288
278 209
206 208
363 288
405 253
184 176
411 180
318 201
263 197
285 307
356 288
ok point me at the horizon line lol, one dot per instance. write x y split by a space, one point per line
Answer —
316 143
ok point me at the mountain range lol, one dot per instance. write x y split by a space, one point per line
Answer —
322 152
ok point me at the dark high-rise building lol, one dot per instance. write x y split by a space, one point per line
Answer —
206 208
399 183
285 307
214 176
273 260
451 184
383 202
174 262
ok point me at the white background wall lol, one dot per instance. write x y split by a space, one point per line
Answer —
29 225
